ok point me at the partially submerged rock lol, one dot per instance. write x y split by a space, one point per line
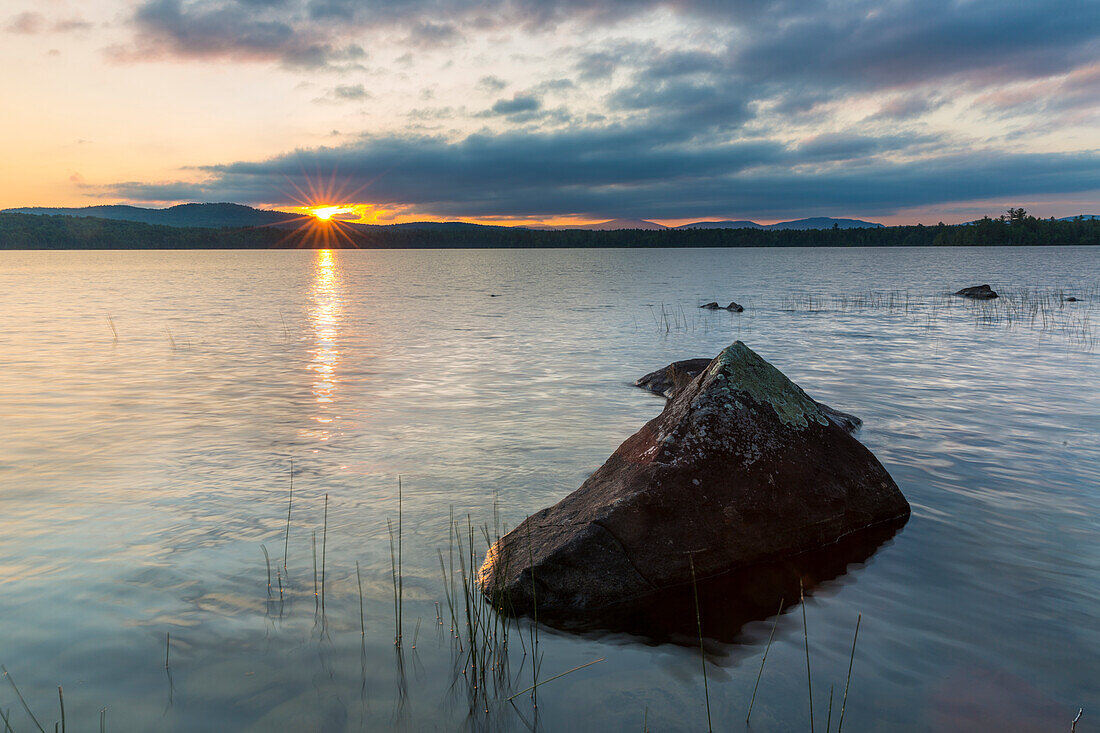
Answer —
713 306
1070 299
740 468
978 292
678 374
674 377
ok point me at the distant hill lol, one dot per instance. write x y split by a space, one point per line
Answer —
825 222
183 215
436 225
817 222
740 224
611 225
1086 217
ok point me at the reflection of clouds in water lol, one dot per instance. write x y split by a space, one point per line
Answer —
325 316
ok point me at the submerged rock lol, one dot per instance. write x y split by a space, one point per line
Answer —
978 292
1070 299
711 306
740 468
678 374
734 308
674 377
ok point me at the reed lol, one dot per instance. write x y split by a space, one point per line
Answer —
362 618
559 676
396 598
847 682
316 594
806 636
759 673
167 647
61 704
699 629
289 506
7 723
400 574
267 561
19 695
324 551
111 323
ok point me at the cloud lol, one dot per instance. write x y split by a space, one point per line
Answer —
620 171
27 23
31 23
906 106
429 34
233 29
491 83
345 93
518 103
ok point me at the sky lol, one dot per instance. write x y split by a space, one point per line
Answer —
524 111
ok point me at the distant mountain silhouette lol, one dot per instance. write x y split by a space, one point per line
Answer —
740 224
183 215
1087 217
445 225
237 215
817 222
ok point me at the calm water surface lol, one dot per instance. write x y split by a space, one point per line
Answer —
140 477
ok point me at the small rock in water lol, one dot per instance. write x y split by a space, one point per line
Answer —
734 307
740 468
711 306
1070 299
978 292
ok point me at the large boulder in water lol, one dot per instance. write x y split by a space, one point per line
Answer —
978 292
740 468
679 374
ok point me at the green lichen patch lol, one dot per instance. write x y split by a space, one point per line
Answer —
743 370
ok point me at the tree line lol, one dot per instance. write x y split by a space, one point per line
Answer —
28 231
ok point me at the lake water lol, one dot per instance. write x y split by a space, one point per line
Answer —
140 476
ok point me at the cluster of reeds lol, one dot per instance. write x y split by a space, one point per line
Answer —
1049 311
481 621
674 319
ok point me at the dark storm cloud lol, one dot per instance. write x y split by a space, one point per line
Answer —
631 172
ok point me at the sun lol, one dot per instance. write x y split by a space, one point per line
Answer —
325 213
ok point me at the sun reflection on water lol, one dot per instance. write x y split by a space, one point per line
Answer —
325 316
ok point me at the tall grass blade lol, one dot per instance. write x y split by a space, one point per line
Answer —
699 628
557 676
362 621
806 636
851 659
21 700
289 505
764 659
324 550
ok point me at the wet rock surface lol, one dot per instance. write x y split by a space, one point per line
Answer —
741 468
978 292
